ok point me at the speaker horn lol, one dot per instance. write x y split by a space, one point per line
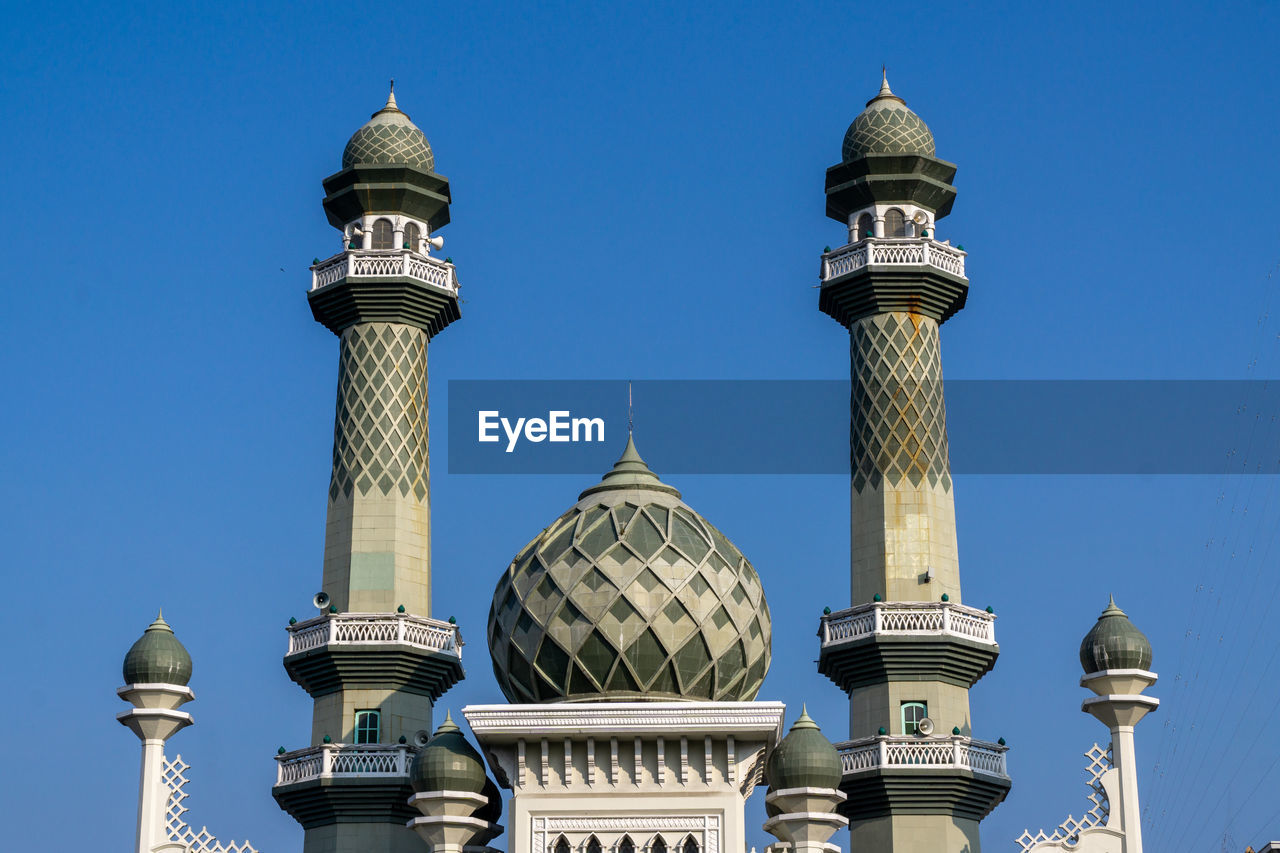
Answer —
435 242
925 727
320 600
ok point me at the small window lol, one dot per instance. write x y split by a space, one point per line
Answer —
866 226
412 235
562 845
895 225
690 845
593 845
368 726
658 845
626 845
912 714
383 236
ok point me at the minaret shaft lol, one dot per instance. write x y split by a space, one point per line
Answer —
377 554
902 510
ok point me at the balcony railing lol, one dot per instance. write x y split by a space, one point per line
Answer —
946 753
910 618
353 629
892 252
343 760
356 263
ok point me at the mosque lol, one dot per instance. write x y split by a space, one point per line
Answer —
631 637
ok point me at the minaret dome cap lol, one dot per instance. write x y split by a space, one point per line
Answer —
1114 643
389 138
448 763
886 126
804 758
157 657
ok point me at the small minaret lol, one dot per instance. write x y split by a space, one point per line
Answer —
157 670
907 651
1116 658
804 780
374 660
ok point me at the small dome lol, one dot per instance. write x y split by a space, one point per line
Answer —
389 138
448 763
157 657
1113 643
804 758
886 126
630 595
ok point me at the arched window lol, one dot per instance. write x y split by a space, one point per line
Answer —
593 845
412 235
690 845
626 845
562 845
895 225
658 845
382 235
368 725
912 714
866 226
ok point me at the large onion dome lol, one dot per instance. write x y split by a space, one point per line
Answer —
804 758
448 763
389 138
886 126
1114 643
157 657
630 595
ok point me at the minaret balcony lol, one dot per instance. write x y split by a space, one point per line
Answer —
893 252
391 650
907 640
897 774
356 264
366 781
877 275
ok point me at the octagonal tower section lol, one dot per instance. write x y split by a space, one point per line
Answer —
373 660
907 650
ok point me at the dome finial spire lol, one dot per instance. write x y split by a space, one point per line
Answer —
884 80
391 98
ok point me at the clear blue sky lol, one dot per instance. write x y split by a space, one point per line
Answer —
638 193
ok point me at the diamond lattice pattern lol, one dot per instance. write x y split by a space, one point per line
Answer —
633 600
380 429
387 144
887 130
899 426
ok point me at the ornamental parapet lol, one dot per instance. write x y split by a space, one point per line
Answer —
343 782
376 650
892 252
331 760
907 640
356 264
895 774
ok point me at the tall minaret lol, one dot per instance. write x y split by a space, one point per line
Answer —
907 651
373 660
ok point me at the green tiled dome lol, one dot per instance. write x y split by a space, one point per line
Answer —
630 595
157 658
389 138
886 126
804 759
1113 643
448 763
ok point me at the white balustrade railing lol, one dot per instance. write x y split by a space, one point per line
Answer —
343 759
956 752
878 251
921 618
340 629
356 263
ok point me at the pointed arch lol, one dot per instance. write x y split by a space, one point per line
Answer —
626 845
657 844
593 845
690 845
561 845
